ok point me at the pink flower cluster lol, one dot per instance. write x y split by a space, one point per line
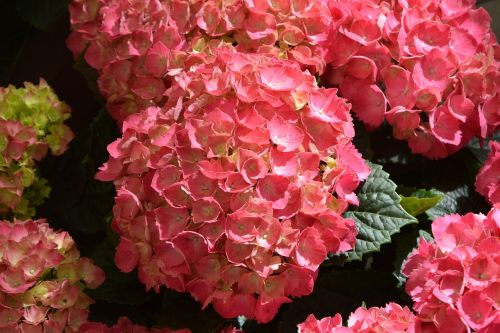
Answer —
455 281
391 319
135 45
41 279
234 190
124 325
435 63
488 178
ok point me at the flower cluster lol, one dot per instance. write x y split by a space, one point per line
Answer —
430 68
434 63
392 318
124 325
488 179
455 281
41 279
136 47
234 190
31 123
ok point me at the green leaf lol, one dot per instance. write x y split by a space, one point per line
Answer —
481 148
420 201
41 14
118 287
379 214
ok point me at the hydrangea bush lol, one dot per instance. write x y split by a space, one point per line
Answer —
31 124
242 199
42 277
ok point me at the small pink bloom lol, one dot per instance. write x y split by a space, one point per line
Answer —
368 101
286 136
310 251
476 310
205 210
280 77
445 127
170 221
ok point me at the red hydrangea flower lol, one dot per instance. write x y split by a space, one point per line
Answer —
454 281
391 318
487 179
41 279
235 194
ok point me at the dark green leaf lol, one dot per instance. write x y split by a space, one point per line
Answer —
481 148
461 200
379 214
78 201
14 33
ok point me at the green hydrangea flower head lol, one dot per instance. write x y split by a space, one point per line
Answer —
31 123
38 107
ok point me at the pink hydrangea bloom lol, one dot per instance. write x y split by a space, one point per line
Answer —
233 191
455 280
134 46
434 62
488 178
391 318
41 279
124 325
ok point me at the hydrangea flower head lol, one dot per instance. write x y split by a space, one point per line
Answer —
454 280
39 108
41 279
233 191
31 124
426 67
391 318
